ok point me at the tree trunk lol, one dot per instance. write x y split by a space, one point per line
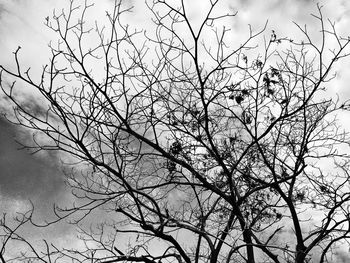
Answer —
250 248
300 253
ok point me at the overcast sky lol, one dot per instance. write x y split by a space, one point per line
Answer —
38 177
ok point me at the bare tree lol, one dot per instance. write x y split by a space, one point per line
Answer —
197 149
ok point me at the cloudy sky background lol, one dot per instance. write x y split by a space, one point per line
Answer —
38 177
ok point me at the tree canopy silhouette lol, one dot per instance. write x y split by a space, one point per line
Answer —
195 147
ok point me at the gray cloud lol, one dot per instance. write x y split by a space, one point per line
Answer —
24 175
1 10
342 256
